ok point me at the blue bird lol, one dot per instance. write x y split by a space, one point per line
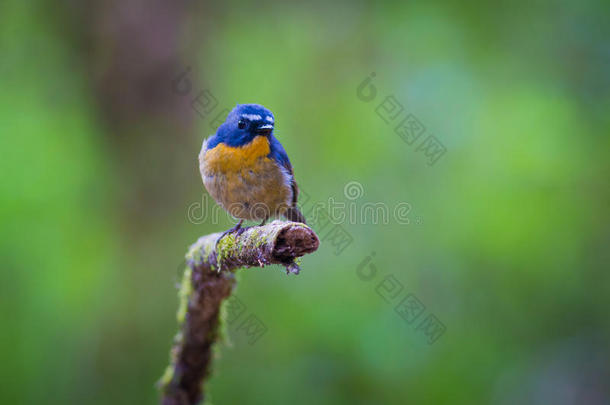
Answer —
246 169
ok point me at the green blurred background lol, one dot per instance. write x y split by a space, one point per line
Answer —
508 236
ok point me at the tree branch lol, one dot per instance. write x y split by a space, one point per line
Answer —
207 281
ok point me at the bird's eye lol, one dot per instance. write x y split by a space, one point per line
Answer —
241 124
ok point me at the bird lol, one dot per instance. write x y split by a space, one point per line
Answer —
246 169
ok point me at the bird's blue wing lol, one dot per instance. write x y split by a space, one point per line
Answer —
278 153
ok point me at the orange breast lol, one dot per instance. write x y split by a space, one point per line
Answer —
245 181
224 158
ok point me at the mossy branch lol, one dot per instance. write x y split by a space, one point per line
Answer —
207 281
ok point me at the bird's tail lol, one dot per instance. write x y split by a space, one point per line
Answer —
294 214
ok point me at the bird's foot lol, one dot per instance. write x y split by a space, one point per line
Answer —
264 222
237 229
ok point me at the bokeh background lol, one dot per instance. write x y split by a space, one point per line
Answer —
507 242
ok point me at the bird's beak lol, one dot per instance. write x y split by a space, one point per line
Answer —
264 129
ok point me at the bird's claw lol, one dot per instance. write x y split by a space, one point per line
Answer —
237 229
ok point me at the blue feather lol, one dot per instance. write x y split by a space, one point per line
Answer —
278 153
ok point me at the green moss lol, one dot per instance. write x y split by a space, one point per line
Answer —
255 232
222 321
259 241
194 254
167 376
184 294
224 248
207 250
200 251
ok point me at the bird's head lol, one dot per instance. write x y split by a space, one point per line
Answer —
244 123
